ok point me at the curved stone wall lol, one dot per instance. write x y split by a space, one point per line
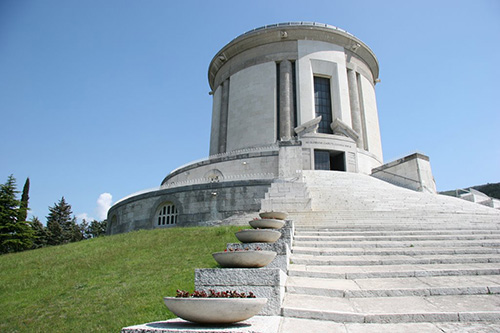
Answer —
200 204
263 87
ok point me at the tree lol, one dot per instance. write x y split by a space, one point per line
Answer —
61 225
23 207
15 235
41 233
85 227
97 228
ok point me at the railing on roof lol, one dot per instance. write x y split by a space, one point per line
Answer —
138 193
299 23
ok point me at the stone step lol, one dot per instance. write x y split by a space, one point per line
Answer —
395 287
428 237
398 244
394 251
393 271
322 232
394 309
300 325
396 220
393 259
351 218
389 228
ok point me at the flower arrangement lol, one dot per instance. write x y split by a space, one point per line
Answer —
213 294
245 249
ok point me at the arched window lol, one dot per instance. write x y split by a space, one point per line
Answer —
167 215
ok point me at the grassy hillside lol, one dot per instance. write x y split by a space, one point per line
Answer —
106 283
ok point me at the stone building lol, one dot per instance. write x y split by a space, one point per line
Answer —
287 98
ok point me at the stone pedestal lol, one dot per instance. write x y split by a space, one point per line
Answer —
282 247
287 233
290 159
263 282
282 250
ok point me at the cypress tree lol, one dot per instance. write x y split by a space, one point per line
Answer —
15 235
23 208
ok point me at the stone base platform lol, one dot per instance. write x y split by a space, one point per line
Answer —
263 282
267 324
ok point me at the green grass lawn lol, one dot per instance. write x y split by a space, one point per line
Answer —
106 283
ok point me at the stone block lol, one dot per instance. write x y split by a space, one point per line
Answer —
443 291
282 250
263 282
411 317
479 316
287 233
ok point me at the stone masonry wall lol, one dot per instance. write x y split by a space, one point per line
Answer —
203 204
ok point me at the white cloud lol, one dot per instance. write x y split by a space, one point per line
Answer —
84 216
101 210
103 204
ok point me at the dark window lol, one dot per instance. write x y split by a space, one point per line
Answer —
329 160
323 104
321 160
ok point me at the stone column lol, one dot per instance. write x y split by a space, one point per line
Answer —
223 117
286 102
355 106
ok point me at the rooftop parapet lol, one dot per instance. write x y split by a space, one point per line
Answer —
292 31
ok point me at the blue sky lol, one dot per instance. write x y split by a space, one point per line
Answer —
109 96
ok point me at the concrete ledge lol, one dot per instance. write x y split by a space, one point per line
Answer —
268 324
240 276
263 282
215 160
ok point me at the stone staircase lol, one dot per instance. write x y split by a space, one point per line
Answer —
287 197
399 276
340 199
373 257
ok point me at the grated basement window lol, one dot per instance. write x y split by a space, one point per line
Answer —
167 215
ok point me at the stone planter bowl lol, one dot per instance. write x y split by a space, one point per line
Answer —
244 259
273 215
215 310
258 236
267 224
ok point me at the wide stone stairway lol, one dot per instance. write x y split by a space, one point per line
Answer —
373 257
399 276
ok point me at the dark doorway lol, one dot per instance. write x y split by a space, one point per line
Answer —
329 160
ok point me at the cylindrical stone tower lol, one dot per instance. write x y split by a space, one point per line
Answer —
272 84
286 98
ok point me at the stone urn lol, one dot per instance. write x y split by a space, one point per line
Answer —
267 224
244 258
215 310
273 215
258 236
